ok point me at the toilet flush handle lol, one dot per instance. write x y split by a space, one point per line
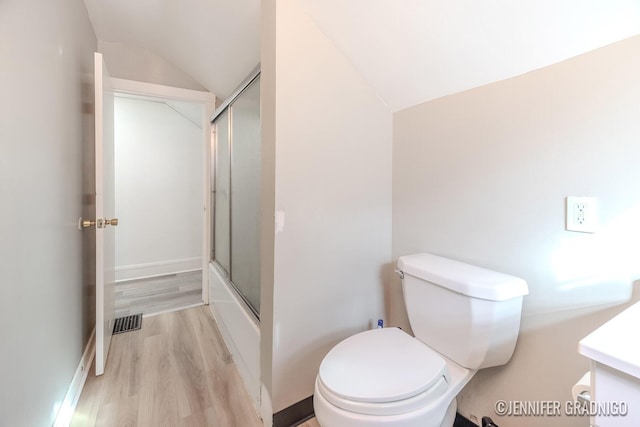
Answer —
400 273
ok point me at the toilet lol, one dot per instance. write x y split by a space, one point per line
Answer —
464 318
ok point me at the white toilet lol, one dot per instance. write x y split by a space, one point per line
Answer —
464 318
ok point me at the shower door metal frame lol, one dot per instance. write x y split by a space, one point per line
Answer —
227 105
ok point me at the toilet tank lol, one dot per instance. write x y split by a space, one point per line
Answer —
468 314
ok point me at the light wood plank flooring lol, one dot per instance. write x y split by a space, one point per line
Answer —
175 371
158 294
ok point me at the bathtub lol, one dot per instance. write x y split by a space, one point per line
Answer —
240 330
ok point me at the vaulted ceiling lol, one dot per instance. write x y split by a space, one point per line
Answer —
410 51
216 42
413 51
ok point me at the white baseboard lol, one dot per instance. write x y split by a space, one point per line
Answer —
68 405
160 268
171 310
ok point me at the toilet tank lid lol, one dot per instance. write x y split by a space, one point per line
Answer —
466 279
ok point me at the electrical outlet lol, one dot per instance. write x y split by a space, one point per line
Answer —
582 214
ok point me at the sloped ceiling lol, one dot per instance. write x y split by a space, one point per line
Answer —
410 51
216 42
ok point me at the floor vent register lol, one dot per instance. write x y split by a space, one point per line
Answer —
127 323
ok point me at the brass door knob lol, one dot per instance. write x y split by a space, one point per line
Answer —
100 222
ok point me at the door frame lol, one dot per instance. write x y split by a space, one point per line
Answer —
208 101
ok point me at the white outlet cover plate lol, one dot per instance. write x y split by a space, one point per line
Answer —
582 214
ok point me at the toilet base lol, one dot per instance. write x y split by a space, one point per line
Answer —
329 415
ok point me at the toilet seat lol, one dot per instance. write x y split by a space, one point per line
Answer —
385 408
382 372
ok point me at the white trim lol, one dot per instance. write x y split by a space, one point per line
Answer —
171 310
160 268
68 406
150 89
208 100
206 198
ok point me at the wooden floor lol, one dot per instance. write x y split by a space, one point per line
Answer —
175 371
158 294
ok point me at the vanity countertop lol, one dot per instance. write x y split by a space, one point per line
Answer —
616 343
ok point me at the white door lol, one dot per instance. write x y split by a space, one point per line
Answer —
105 212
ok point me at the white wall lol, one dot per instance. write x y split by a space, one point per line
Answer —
46 131
135 63
330 137
481 177
159 184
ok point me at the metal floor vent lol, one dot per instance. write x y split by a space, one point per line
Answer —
127 323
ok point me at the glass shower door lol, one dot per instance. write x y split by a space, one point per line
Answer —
245 194
237 172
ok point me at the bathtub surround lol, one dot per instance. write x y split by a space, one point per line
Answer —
240 330
234 279
492 166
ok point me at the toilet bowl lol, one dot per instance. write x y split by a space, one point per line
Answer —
464 318
385 377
